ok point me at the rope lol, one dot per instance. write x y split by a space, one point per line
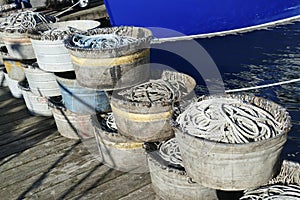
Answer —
229 32
110 122
23 21
262 86
228 121
272 192
70 8
289 174
170 152
102 41
155 91
284 186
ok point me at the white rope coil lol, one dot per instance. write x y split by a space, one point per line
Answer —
155 91
229 121
102 41
170 152
23 21
272 192
284 186
110 122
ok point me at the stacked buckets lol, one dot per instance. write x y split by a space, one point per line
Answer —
81 86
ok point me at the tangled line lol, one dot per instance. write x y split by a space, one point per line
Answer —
170 152
155 91
23 21
228 121
102 41
110 122
272 192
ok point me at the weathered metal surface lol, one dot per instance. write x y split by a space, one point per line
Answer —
52 55
36 105
145 121
173 184
18 46
13 86
117 151
3 51
80 99
14 68
41 83
112 68
73 125
3 82
235 166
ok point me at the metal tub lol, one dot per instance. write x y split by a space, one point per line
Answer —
36 105
79 99
234 166
13 86
52 55
112 68
40 82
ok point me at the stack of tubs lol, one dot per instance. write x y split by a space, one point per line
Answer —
20 56
80 85
19 62
122 72
110 69
77 105
124 135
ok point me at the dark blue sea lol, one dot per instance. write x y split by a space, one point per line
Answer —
263 57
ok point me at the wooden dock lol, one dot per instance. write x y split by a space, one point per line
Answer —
37 163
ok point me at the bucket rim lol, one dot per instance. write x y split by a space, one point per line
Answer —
119 99
35 34
141 43
283 132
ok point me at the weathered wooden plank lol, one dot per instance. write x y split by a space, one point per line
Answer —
143 193
4 91
21 145
11 102
116 188
77 185
21 123
7 138
18 106
37 163
66 169
31 170
6 96
50 146
14 116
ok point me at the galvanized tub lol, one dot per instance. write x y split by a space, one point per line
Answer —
40 82
144 121
52 55
79 99
169 179
15 68
117 151
286 185
3 52
18 45
72 125
13 86
113 67
3 82
36 105
234 166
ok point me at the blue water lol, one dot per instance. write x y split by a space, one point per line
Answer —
263 57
